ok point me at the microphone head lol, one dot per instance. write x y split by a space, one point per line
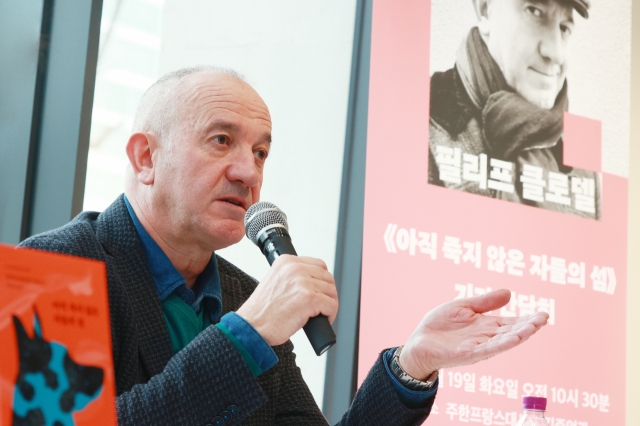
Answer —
263 215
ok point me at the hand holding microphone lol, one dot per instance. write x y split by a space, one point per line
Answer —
297 292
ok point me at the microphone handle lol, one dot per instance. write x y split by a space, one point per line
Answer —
274 243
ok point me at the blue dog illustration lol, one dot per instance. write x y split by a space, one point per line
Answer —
50 385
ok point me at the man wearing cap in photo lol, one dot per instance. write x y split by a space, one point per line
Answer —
506 97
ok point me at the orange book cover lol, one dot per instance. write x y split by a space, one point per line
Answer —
56 366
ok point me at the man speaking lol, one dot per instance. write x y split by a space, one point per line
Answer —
195 340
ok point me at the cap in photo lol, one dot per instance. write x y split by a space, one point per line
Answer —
581 6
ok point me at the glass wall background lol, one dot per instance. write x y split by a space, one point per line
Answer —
128 63
298 57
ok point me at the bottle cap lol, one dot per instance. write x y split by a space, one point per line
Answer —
534 403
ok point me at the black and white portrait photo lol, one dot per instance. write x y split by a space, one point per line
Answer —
500 85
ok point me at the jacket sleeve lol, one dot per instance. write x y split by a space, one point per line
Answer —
295 405
198 384
377 403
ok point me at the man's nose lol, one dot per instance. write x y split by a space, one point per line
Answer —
243 168
553 47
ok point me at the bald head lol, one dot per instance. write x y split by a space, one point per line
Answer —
197 154
165 103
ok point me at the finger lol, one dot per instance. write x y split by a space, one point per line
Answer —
326 306
508 337
302 269
299 260
313 261
511 335
321 274
541 318
317 297
522 331
507 320
519 332
538 320
503 342
509 323
323 287
487 302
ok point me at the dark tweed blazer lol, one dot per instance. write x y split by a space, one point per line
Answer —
207 376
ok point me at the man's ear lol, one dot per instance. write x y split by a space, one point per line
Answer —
140 149
482 12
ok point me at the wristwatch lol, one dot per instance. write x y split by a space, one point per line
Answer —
408 381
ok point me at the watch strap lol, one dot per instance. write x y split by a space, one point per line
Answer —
408 381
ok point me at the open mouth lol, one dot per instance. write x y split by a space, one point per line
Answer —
234 202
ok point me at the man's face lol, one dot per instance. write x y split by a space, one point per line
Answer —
529 41
211 170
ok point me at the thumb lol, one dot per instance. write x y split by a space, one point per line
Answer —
488 302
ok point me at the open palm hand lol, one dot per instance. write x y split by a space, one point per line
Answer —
457 333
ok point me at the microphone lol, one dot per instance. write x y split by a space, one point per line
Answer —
266 226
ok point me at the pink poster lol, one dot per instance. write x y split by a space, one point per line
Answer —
493 164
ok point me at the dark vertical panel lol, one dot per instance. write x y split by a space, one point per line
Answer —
36 121
20 29
61 161
340 383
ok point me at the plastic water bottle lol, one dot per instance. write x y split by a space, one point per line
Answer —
533 415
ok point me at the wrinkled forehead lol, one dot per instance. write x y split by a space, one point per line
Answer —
214 94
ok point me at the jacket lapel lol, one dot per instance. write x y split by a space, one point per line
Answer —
234 291
118 236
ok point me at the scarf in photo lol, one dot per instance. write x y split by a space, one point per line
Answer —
511 124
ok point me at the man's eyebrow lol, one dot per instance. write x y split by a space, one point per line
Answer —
231 127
